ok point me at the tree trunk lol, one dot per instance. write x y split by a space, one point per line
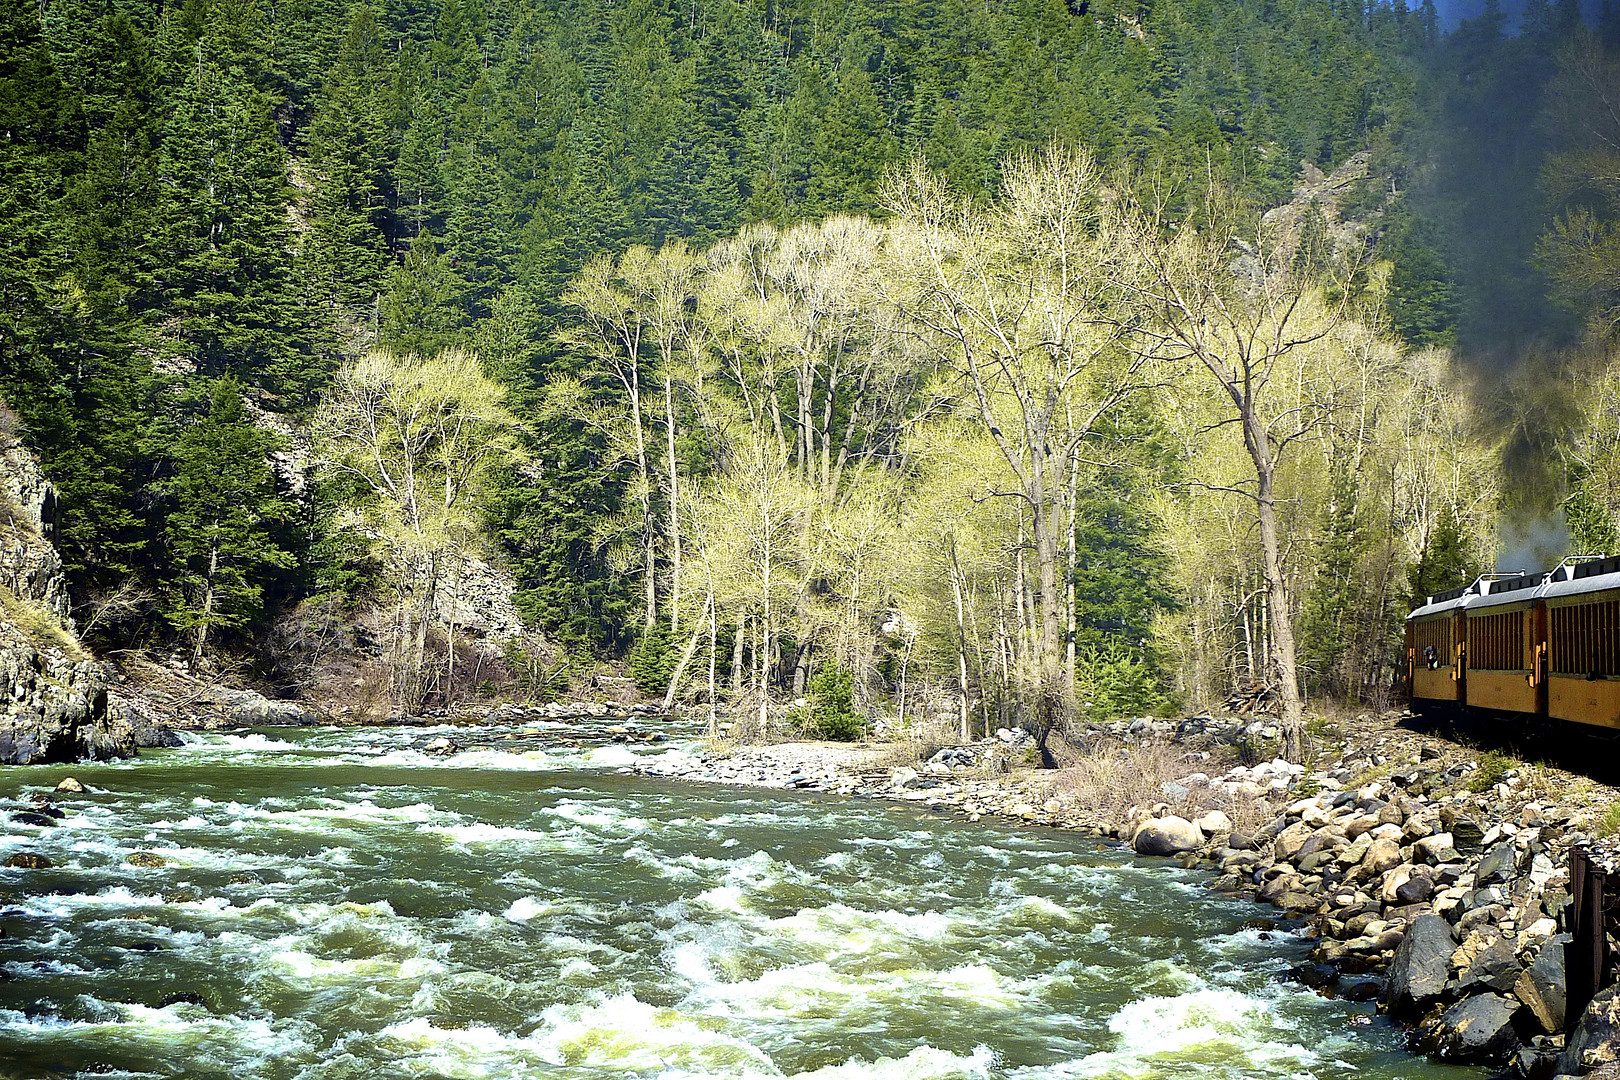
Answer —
1279 622
674 507
714 634
762 659
737 646
801 670
1053 700
207 605
680 668
649 560
961 642
905 662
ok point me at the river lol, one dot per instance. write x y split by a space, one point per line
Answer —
336 905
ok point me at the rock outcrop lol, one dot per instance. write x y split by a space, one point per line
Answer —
29 566
477 596
53 695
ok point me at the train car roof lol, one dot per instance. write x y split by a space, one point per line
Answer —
1592 575
1450 602
1572 577
1517 589
1487 590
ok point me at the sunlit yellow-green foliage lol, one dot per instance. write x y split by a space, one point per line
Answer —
1400 424
903 424
423 436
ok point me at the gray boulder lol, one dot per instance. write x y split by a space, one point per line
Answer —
156 737
1495 968
247 708
1478 1031
1596 1039
1167 836
1417 974
1542 986
1414 890
1497 865
1466 836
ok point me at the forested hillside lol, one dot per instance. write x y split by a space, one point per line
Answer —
213 210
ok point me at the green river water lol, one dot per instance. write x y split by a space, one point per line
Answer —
336 905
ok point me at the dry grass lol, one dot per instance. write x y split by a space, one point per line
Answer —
39 626
919 740
1107 784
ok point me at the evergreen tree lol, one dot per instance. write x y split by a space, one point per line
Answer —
421 309
480 236
1445 561
224 238
351 152
1328 630
224 511
41 132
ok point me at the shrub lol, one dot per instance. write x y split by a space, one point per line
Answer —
1609 823
652 661
1115 680
1491 769
831 712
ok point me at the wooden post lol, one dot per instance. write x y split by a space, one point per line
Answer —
1587 958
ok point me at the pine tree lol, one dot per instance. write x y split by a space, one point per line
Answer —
41 133
853 145
1445 561
1328 633
421 309
225 507
352 146
480 236
113 200
225 236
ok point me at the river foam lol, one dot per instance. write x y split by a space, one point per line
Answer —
344 906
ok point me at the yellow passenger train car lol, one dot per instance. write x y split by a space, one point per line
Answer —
1536 644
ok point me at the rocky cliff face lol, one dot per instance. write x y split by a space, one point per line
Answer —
53 695
477 596
29 565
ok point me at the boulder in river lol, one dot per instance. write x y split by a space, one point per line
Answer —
157 737
1478 1031
146 859
249 708
1167 836
1417 975
70 784
31 817
29 861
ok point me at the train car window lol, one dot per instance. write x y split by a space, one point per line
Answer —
1496 642
1433 634
1585 639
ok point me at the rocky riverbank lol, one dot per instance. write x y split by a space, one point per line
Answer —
1434 876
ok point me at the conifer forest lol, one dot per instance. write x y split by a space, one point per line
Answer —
1006 360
